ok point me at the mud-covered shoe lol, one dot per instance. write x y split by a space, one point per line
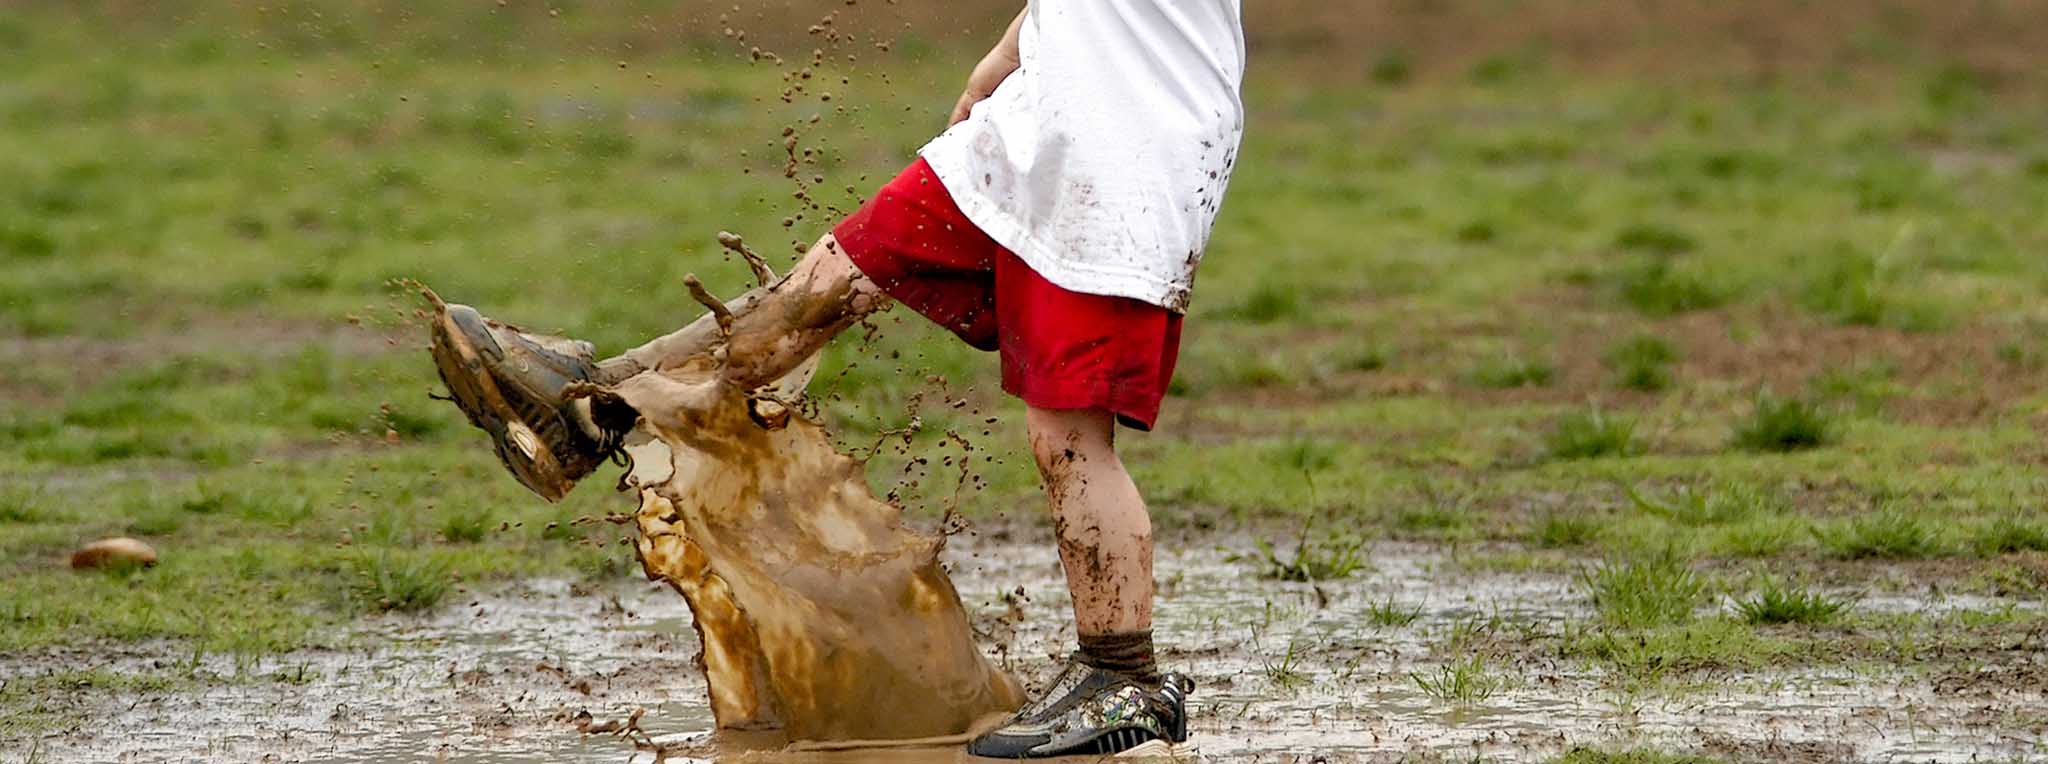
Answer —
1091 712
510 383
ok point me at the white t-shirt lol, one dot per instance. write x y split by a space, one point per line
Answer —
1102 160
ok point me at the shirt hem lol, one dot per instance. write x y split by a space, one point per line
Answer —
1010 232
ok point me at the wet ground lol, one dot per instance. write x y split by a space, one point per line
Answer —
1283 674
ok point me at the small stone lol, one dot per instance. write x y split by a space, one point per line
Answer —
111 552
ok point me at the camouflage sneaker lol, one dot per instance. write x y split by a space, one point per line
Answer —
510 385
1091 712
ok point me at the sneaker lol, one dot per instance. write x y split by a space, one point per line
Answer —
509 383
1092 712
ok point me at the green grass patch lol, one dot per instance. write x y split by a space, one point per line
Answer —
1285 671
1313 559
1459 683
2010 533
1722 504
1387 613
1887 534
1510 372
1852 287
399 580
1561 530
1780 603
1781 425
1657 287
1268 302
465 527
1655 238
1651 655
1593 434
1642 362
1646 591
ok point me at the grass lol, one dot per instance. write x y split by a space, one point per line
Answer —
205 348
1559 530
1387 613
1510 372
1642 363
1460 683
1780 603
1721 505
1782 425
1887 534
1285 672
1648 591
1313 560
1644 657
392 580
1592 435
1657 287
1267 303
465 527
2011 533
1856 288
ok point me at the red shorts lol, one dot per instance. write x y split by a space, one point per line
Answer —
1060 349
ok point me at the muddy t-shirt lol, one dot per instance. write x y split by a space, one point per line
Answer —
1102 161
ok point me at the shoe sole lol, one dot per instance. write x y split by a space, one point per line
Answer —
475 392
1159 750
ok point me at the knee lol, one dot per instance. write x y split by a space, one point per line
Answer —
1063 442
827 268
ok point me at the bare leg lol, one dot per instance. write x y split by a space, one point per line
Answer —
774 328
1104 530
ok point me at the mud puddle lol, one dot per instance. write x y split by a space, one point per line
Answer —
1284 674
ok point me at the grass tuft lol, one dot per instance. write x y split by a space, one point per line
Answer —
1385 613
1783 425
1856 288
1326 560
1505 373
1367 359
1648 655
1642 363
1593 435
1889 535
1461 683
1650 591
465 527
1729 503
1778 603
1655 239
1258 371
20 505
2007 534
1556 530
1655 288
1267 303
1285 672
388 580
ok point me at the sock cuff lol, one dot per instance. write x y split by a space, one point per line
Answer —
1128 653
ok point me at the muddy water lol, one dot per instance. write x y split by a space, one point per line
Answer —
501 680
821 616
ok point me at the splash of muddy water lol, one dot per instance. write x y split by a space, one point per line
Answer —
820 614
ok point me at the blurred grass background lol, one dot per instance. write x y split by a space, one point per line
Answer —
1488 269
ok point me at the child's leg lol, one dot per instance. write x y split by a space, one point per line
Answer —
1105 537
775 328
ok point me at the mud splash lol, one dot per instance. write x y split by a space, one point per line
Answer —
819 612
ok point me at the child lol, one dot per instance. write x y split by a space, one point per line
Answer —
1058 221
